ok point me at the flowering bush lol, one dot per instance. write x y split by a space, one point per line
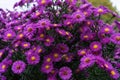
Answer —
59 40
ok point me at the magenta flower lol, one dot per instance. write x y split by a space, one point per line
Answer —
9 34
62 47
95 46
87 60
48 41
33 59
78 16
65 73
18 67
115 38
3 67
47 67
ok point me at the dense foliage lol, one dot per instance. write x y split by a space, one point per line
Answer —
59 40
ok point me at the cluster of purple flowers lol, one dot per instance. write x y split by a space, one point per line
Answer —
58 31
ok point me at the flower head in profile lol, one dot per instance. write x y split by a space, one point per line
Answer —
65 73
18 67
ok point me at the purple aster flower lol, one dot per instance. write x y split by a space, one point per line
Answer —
9 34
48 40
47 67
78 16
95 46
20 36
101 10
33 59
41 35
48 59
87 60
67 22
65 73
71 2
115 38
3 67
43 2
44 23
107 30
62 47
25 45
56 56
114 74
18 67
29 30
39 50
105 40
87 36
82 52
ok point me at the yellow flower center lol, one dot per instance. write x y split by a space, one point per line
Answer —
41 35
85 36
40 50
56 55
47 40
67 33
25 45
20 35
95 46
113 72
3 66
43 1
100 10
33 58
9 35
47 66
107 29
87 60
29 29
82 52
48 59
118 38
